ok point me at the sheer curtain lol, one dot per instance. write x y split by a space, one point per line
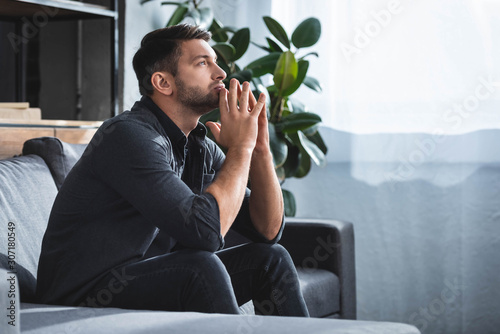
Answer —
403 66
411 111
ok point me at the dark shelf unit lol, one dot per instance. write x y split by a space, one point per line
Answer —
15 10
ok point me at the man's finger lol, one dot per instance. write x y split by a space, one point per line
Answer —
239 92
233 95
244 97
261 103
215 129
223 107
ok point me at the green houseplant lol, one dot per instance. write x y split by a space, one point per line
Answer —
295 140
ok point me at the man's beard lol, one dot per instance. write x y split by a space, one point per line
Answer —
195 99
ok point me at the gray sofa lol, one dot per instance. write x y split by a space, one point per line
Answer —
323 251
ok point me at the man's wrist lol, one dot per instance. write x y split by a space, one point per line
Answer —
262 153
240 151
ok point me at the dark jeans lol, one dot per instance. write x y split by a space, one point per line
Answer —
195 280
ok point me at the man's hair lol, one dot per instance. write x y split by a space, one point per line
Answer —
160 51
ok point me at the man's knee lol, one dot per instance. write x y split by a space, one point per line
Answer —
273 249
206 263
274 253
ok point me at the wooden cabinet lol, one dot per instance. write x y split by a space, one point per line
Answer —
26 18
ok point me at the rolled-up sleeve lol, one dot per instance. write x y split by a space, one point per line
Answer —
136 162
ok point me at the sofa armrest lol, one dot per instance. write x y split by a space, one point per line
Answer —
325 244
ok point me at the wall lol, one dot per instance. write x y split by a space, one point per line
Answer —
426 224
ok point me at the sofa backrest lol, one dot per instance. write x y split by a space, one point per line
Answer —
27 191
58 155
28 187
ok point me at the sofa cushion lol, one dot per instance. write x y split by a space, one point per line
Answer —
58 319
321 291
58 155
27 192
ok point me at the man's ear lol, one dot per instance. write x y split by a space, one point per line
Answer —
163 82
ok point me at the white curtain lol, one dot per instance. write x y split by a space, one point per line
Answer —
404 66
411 111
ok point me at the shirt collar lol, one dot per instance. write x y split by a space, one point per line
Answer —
175 134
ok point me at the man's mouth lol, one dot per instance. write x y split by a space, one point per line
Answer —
219 87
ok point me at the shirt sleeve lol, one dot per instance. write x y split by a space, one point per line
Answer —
135 161
243 224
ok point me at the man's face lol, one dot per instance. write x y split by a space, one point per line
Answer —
199 78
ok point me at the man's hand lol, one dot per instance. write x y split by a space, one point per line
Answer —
266 200
237 132
239 125
262 143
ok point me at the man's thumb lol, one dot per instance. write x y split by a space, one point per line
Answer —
215 129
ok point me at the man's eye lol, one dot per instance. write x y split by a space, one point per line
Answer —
203 62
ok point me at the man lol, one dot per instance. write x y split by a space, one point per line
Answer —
140 220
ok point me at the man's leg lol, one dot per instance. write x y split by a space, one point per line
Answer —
186 280
265 273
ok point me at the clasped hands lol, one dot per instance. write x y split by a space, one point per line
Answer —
243 119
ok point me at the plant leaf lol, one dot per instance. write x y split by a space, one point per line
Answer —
316 155
264 65
178 15
313 83
241 76
307 33
218 35
277 30
286 71
240 41
303 67
170 2
225 50
278 146
316 138
310 54
265 48
289 202
305 160
273 45
292 162
297 121
212 116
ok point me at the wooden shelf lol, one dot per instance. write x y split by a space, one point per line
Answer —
55 9
13 133
51 123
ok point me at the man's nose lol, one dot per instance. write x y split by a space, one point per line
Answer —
219 74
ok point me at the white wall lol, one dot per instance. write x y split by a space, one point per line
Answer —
426 224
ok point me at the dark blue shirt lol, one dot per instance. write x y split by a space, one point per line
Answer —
136 192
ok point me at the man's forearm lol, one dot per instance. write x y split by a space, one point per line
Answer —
266 199
229 186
